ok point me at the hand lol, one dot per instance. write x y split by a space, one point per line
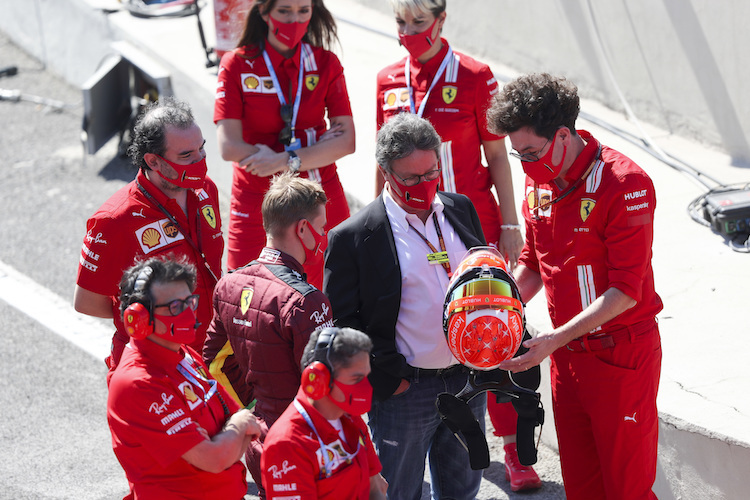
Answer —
333 132
203 432
265 162
510 245
252 428
402 386
378 487
538 347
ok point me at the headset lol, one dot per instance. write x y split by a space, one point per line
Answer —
317 377
137 316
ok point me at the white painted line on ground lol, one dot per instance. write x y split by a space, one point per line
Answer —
53 312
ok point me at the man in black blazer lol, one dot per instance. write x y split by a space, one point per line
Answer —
387 271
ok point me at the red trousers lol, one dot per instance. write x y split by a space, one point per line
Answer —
502 415
607 423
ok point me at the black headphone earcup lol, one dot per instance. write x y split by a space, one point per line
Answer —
137 321
316 380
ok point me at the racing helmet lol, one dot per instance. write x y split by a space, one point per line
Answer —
483 315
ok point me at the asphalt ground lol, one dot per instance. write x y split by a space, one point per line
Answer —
56 443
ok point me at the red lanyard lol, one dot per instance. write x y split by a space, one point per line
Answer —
444 259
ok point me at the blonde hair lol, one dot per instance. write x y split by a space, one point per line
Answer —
289 199
400 7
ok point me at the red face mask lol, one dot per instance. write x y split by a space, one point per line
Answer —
189 176
357 397
419 43
542 171
290 34
315 256
419 196
180 328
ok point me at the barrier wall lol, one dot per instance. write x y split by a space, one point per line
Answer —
679 63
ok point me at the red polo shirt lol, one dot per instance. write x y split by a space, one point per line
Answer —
246 92
597 237
457 108
292 458
130 226
155 408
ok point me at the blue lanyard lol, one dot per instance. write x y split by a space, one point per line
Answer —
448 57
325 450
191 374
279 93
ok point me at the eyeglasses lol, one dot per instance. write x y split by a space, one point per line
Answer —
413 180
285 136
178 305
526 157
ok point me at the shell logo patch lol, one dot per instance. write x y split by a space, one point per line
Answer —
209 215
311 81
449 93
395 98
254 83
251 82
150 238
531 200
156 235
587 206
537 198
245 298
192 399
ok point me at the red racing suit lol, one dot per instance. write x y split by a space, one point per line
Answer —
131 226
293 464
598 237
158 402
246 92
457 108
264 315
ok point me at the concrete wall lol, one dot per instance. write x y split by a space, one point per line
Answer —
679 63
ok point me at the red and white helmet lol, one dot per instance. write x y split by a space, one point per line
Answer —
483 316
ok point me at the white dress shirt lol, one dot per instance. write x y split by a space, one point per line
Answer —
419 328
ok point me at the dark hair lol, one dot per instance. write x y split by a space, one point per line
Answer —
150 132
164 269
401 136
290 198
347 343
540 101
320 33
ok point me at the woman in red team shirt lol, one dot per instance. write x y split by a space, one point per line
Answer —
453 92
273 94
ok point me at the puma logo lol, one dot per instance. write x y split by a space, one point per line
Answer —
627 418
392 78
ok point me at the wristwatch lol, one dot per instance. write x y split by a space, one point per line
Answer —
294 163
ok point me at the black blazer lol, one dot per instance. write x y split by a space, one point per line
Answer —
363 280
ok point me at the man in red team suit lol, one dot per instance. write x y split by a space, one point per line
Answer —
175 431
589 213
320 448
170 208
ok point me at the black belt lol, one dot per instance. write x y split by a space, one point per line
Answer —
607 340
435 372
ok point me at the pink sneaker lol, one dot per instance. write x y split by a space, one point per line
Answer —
520 476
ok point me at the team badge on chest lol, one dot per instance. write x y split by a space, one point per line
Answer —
449 93
311 81
587 206
209 215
